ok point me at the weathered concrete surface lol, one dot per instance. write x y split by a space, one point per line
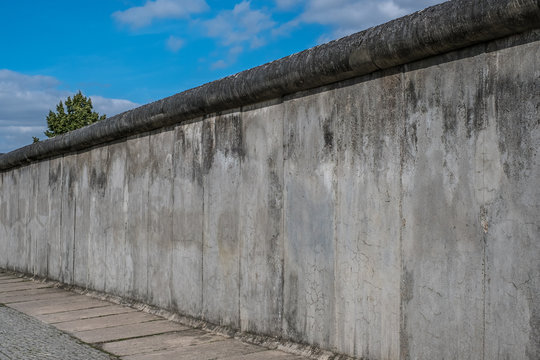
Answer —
121 331
392 215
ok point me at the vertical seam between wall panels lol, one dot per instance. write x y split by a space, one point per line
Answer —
240 238
335 185
48 219
148 212
400 207
171 249
33 246
202 228
18 210
107 185
283 210
125 205
74 232
201 162
36 214
483 209
61 211
484 238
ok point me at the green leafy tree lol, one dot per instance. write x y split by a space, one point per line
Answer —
76 114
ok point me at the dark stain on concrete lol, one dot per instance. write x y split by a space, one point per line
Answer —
411 98
208 146
515 122
98 180
474 121
275 192
533 348
54 174
407 288
229 136
328 135
449 120
188 149
291 303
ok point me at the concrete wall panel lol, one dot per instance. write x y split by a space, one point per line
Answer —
187 234
160 220
136 196
511 202
68 222
261 219
82 220
24 189
4 225
9 217
54 252
39 225
115 210
97 267
367 121
442 240
309 203
222 157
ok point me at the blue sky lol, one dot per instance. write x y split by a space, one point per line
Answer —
125 53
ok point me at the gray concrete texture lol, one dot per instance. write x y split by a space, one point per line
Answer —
393 215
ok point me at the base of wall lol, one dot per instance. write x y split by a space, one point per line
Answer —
271 343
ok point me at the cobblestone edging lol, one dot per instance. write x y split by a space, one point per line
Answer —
25 338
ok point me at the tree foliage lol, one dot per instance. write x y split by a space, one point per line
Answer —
76 114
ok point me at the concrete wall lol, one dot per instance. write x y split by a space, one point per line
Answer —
392 215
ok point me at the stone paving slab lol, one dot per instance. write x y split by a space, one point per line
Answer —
60 294
13 294
11 280
264 355
118 330
84 314
57 306
186 338
66 299
226 348
27 285
128 331
106 322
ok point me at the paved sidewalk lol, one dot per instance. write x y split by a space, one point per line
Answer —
35 317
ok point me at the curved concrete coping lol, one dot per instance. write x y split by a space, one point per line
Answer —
435 30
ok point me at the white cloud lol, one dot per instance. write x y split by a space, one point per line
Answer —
241 25
286 4
23 129
140 16
25 101
345 17
232 56
174 44
111 107
392 10
220 64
